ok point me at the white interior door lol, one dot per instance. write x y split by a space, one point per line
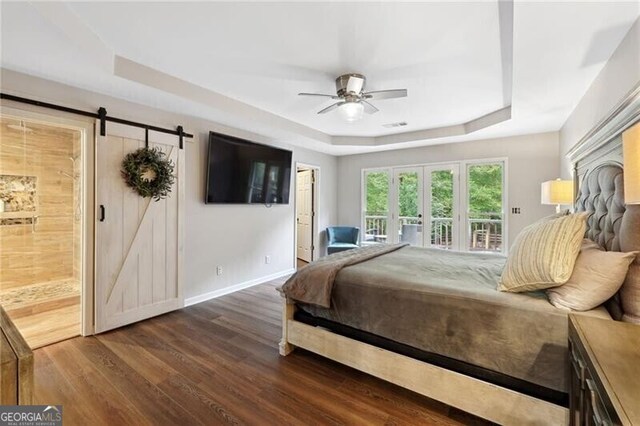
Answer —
139 241
407 217
304 214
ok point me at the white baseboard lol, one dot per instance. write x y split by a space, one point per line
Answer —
237 287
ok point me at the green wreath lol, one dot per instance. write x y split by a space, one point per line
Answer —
148 172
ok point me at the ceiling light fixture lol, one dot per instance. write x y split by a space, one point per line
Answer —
351 111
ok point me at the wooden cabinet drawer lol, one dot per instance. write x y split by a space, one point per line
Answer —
590 402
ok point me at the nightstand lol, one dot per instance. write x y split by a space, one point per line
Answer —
605 371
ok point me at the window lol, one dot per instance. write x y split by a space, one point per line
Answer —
376 206
485 207
455 206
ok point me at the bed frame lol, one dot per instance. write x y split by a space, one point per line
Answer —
489 401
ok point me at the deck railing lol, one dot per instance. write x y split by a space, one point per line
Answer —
485 234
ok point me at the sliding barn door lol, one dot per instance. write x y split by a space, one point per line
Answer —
139 241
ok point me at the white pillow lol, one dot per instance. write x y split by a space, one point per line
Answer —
596 277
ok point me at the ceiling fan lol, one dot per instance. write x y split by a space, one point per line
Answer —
352 98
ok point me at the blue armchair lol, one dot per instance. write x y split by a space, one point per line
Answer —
342 238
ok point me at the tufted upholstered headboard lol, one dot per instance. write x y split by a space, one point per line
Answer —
612 224
598 173
601 193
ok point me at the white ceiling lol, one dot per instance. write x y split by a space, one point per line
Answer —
448 56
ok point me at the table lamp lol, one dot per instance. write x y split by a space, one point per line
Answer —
557 192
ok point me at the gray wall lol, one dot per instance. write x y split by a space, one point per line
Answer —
618 77
236 237
532 159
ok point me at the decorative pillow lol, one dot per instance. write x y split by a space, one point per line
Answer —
596 277
543 254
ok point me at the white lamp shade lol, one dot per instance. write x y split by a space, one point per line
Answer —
557 192
631 152
351 111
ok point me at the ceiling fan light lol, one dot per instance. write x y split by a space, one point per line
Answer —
351 111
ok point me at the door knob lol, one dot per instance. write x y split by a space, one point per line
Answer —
419 215
419 222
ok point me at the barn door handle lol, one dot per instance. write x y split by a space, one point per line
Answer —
102 213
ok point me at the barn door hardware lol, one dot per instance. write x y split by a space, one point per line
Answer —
101 115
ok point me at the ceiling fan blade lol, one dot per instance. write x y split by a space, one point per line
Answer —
368 108
385 94
319 94
330 108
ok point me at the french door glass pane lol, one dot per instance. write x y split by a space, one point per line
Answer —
409 207
442 209
376 210
485 217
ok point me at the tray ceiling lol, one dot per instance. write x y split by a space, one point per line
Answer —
242 64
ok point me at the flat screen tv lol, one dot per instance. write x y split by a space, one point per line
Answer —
244 172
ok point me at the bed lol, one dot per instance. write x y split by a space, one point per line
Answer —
432 321
510 339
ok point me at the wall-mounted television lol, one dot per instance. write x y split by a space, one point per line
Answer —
244 172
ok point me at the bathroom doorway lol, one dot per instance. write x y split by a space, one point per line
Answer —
42 226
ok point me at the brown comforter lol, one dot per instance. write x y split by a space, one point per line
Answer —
314 283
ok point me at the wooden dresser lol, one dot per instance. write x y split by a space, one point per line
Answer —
605 371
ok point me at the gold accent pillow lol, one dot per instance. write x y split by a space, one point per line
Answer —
596 277
543 254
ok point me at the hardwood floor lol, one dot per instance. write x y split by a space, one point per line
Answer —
217 363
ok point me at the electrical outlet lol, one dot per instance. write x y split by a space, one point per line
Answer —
267 259
219 270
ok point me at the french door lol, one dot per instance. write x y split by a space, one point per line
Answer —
407 221
456 206
425 206
442 202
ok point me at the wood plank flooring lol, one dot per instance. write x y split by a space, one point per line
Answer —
217 363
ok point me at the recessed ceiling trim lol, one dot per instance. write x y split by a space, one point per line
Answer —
471 126
139 73
66 20
487 120
151 77
505 12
